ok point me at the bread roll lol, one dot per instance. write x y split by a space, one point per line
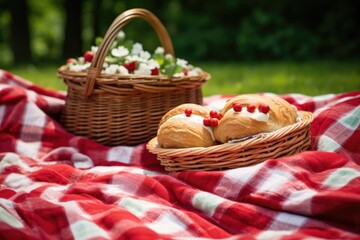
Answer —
184 127
265 114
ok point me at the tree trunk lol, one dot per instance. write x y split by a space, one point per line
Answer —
20 31
73 28
96 18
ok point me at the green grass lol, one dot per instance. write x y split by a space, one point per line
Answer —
44 76
309 78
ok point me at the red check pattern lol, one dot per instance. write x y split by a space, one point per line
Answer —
55 185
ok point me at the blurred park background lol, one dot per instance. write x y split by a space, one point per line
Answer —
310 47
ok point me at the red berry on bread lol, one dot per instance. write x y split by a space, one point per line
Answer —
214 114
214 122
237 107
206 122
251 108
264 108
188 112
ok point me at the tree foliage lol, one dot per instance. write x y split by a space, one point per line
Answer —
227 30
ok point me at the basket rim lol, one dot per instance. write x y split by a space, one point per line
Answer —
306 119
63 72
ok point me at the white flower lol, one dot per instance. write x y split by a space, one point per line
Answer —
114 68
137 49
81 60
135 58
193 73
159 50
153 64
121 35
180 74
79 67
181 62
75 67
145 55
143 69
121 51
169 57
123 70
145 64
94 49
111 69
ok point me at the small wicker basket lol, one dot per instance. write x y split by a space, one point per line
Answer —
124 109
285 141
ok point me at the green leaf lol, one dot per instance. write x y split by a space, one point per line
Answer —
159 58
114 60
178 69
98 41
128 44
113 45
169 70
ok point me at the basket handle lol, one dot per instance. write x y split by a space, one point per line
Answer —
98 60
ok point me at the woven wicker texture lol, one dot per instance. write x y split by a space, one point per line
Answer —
286 141
115 109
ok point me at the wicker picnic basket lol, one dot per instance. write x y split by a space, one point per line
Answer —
285 141
115 109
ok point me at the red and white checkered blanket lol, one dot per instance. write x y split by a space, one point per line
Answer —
55 185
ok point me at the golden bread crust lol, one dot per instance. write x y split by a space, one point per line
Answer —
196 109
235 126
183 133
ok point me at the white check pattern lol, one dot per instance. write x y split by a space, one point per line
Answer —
55 185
